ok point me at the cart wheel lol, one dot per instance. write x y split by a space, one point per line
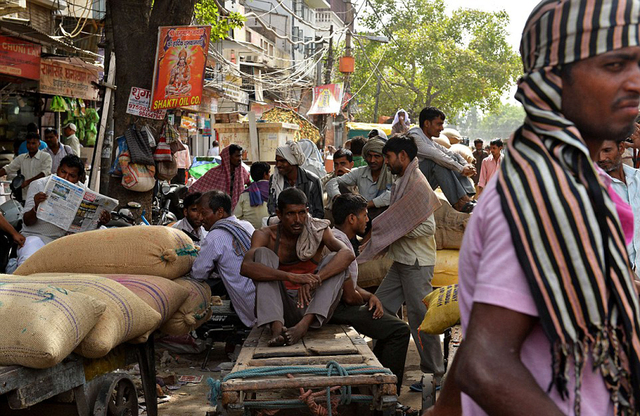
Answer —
428 391
117 397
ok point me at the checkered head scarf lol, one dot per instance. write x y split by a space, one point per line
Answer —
564 225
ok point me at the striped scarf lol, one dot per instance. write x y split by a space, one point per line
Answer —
241 237
564 225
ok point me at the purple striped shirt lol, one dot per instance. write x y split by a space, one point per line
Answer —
217 259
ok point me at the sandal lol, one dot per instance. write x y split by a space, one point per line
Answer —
468 207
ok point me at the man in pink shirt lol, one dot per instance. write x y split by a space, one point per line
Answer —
548 305
490 165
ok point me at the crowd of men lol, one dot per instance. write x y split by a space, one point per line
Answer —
548 282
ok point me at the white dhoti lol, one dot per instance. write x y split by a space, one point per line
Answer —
31 245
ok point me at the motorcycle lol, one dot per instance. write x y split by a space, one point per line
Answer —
167 204
12 210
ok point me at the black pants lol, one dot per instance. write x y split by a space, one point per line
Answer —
391 335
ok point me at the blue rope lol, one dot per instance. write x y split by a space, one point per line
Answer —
332 368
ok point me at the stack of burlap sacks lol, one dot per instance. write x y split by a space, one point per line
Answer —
450 226
87 293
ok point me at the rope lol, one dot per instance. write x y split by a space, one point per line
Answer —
332 368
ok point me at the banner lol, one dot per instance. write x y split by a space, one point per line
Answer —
178 74
62 78
19 58
327 99
138 104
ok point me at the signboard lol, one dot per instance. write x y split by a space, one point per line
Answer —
188 123
178 75
62 78
208 105
19 58
327 99
138 104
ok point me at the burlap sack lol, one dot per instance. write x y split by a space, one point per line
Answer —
195 311
445 272
371 273
443 310
450 224
163 295
463 151
146 250
126 316
42 324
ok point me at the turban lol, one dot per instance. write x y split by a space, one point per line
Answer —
374 145
292 152
563 223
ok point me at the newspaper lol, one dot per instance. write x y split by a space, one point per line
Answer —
73 207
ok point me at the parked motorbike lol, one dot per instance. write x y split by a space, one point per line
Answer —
167 206
125 216
12 210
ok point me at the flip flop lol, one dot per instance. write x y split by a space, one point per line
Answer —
468 207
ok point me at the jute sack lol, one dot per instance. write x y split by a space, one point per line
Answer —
42 324
195 311
450 224
443 310
163 295
371 273
125 318
464 151
445 272
148 250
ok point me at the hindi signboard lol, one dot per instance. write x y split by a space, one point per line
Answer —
19 58
63 78
327 99
138 104
178 75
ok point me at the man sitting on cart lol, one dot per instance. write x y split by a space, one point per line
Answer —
296 287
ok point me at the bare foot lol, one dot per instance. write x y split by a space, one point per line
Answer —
278 331
296 333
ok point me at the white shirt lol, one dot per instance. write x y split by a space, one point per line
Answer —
30 166
630 192
185 225
63 151
45 230
74 143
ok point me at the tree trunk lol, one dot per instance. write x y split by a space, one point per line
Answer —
133 35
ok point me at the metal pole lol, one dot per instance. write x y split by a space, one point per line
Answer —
347 52
375 111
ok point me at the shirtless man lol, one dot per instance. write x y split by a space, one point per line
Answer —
296 287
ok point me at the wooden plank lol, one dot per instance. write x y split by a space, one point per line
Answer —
14 377
329 340
248 348
307 382
352 359
361 345
265 351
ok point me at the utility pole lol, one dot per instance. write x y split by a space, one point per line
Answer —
329 67
375 110
347 75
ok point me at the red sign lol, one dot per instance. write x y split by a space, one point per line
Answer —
181 58
19 58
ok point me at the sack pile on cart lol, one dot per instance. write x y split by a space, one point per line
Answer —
89 292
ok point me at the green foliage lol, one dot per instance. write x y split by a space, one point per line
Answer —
453 62
499 123
207 13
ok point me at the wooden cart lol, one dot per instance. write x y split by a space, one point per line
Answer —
332 343
81 386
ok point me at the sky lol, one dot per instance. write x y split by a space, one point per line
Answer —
518 11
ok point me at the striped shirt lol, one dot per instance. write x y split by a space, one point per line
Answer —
218 260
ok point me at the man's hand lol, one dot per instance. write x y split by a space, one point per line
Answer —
469 170
313 280
304 296
376 306
39 198
343 170
105 217
19 239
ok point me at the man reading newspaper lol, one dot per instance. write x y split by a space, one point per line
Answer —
39 232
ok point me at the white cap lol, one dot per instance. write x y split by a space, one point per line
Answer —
71 126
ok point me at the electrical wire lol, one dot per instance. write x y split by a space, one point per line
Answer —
75 32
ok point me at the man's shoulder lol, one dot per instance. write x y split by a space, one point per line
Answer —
309 175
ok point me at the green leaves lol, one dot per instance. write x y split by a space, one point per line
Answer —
455 62
207 13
